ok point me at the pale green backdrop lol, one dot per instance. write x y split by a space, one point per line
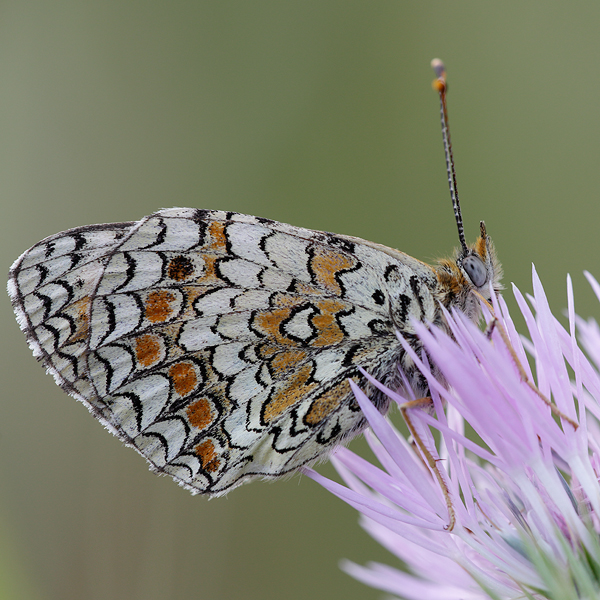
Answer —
314 112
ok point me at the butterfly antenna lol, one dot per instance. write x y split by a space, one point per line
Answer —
441 87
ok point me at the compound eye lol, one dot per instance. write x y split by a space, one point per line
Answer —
475 269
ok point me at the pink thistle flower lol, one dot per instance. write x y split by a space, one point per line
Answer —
526 495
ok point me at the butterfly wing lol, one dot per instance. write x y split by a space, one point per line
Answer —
218 345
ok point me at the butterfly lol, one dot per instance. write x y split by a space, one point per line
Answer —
220 345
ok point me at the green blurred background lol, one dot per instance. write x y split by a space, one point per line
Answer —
313 112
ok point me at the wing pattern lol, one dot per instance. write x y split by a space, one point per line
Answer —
218 345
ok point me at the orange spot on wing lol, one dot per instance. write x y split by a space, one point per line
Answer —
296 388
329 331
284 361
148 349
326 263
218 237
81 308
326 403
268 322
158 307
208 456
184 378
200 413
209 275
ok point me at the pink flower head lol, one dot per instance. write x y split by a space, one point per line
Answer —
521 514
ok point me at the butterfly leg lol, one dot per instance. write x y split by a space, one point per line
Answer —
426 455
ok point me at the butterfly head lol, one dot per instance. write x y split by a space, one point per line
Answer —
473 268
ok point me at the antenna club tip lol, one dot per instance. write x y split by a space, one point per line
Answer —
439 84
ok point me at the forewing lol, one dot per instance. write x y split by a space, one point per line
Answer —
218 345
